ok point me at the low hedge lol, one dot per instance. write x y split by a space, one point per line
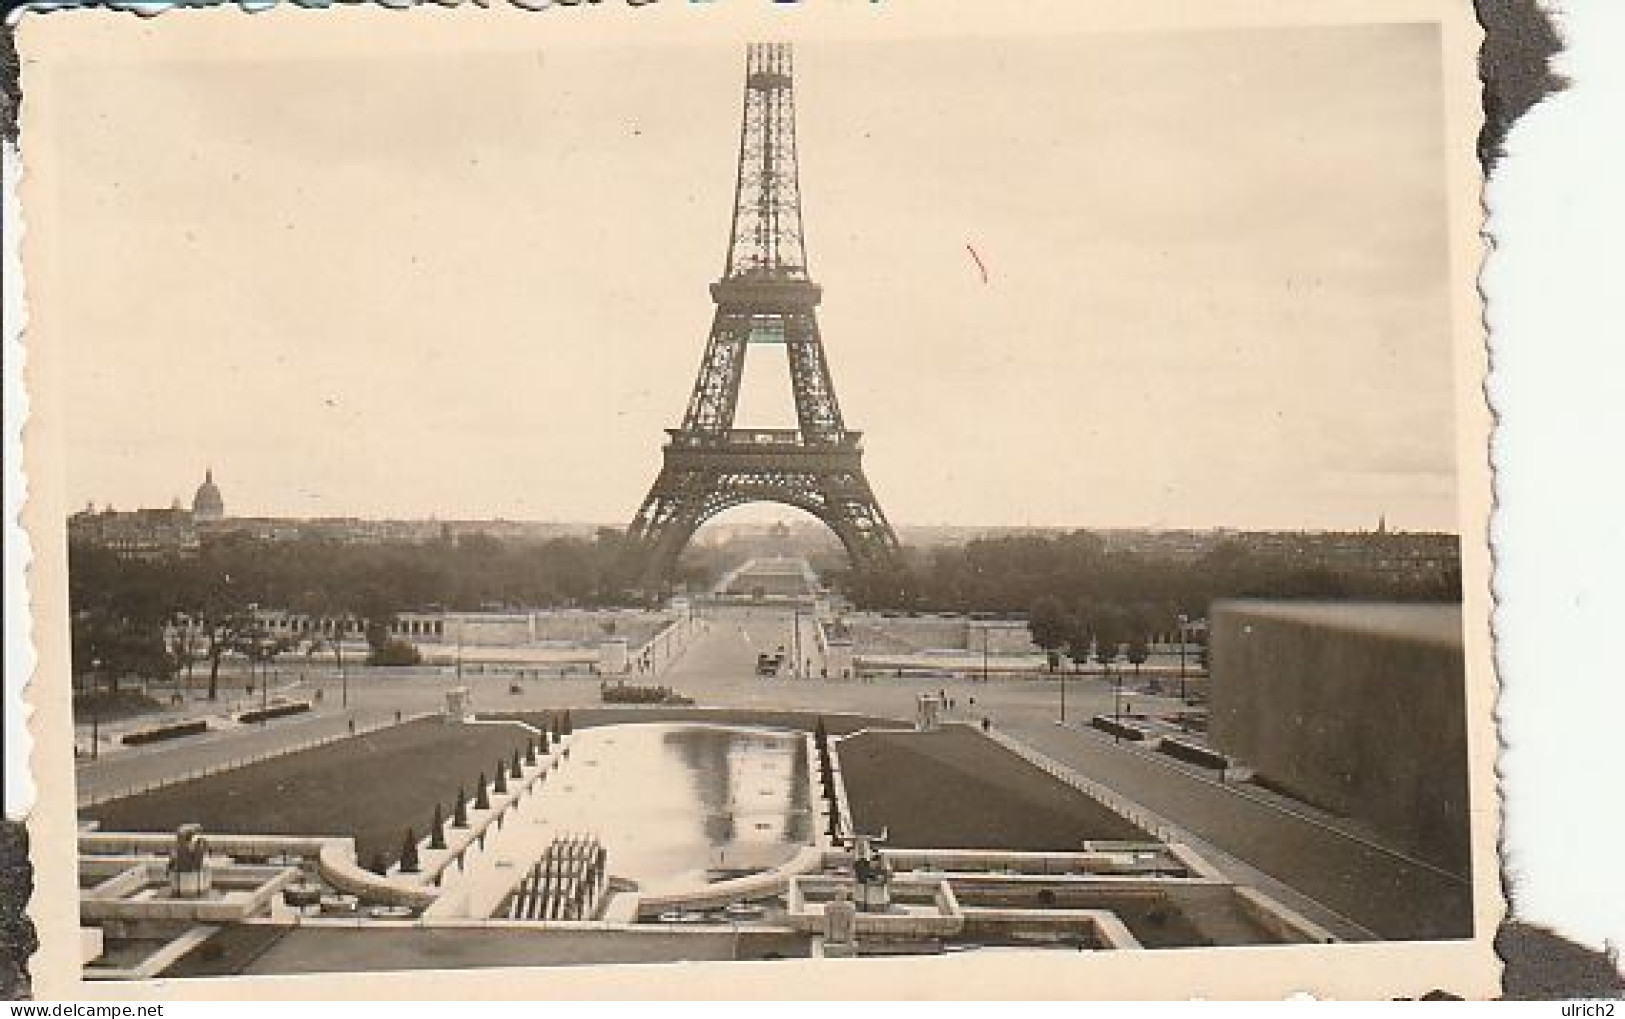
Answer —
280 711
1110 725
163 732
395 653
1193 754
626 693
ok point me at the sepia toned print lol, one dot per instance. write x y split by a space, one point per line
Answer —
850 500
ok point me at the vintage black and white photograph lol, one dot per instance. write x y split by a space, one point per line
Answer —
814 496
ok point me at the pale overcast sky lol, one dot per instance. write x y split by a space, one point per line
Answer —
473 284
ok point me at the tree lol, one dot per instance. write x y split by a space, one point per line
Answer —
215 608
437 830
409 853
1050 628
1108 635
183 645
260 645
109 647
1079 636
1138 651
224 628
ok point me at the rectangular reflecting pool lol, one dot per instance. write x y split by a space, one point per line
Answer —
676 806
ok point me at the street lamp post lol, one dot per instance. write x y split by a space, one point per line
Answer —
796 641
95 714
1117 703
984 653
1183 620
339 626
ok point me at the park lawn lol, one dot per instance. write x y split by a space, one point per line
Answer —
369 787
955 789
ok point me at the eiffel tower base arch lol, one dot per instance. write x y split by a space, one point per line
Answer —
682 500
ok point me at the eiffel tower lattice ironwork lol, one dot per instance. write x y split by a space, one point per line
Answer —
765 296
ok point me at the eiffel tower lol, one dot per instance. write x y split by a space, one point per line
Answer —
765 296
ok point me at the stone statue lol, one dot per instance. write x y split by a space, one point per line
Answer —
188 866
928 711
841 926
871 874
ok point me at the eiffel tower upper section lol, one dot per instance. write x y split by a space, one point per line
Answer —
765 294
767 244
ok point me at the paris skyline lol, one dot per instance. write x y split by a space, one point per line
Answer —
511 300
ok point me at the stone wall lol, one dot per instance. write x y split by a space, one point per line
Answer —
1358 709
585 628
877 634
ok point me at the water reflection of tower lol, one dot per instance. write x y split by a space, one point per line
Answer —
706 753
725 765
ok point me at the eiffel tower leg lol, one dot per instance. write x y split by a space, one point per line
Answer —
671 513
854 514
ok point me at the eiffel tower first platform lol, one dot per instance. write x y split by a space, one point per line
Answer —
765 296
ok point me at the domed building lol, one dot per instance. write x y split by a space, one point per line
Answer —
207 505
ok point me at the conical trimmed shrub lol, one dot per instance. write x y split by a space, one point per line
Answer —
481 800
530 751
513 767
409 853
459 811
437 830
566 727
500 786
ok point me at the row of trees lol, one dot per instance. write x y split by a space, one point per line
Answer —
1104 631
1009 574
124 611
